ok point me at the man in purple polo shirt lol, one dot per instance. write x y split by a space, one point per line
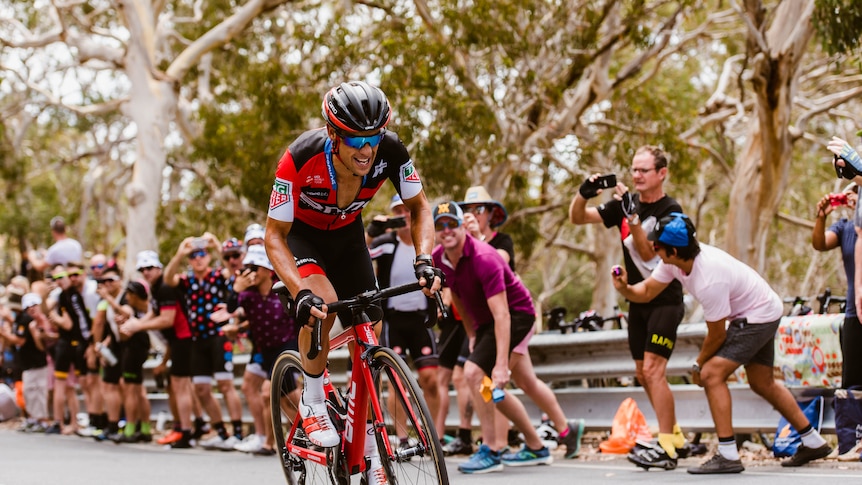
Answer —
498 315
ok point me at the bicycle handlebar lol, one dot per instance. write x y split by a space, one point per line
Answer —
361 301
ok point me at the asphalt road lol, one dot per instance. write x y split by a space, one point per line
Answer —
35 459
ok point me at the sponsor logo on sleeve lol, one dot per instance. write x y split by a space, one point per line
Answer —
409 174
280 193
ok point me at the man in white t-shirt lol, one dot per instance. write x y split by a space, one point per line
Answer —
65 250
729 291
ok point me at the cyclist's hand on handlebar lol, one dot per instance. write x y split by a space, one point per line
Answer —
430 278
309 307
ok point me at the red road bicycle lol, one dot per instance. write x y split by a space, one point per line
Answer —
403 427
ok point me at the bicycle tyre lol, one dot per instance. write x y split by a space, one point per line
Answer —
284 392
425 464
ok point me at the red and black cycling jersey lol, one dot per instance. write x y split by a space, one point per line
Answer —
306 188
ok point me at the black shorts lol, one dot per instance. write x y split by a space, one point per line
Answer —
67 354
135 352
111 373
341 255
270 355
406 333
453 347
212 356
485 348
748 343
653 329
181 357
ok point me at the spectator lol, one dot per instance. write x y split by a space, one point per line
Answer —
273 332
106 337
135 349
841 234
314 234
92 387
652 324
729 291
28 335
499 316
404 316
848 165
488 214
65 250
169 317
253 235
205 288
70 318
453 350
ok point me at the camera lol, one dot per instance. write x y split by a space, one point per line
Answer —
395 222
836 200
200 243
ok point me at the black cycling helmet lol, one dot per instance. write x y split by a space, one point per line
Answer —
356 106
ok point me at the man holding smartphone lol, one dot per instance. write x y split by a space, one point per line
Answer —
652 325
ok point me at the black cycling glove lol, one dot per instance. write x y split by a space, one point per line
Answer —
305 301
589 189
423 269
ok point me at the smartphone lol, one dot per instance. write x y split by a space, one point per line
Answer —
837 199
606 181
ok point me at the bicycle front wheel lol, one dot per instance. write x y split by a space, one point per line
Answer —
284 396
413 455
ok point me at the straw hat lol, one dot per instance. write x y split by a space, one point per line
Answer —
478 195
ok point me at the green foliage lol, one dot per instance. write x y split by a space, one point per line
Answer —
838 24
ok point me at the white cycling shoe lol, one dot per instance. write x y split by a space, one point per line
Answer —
317 424
375 475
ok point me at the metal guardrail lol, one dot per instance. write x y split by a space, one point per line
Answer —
566 360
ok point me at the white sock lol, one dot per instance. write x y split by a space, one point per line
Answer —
370 441
728 450
312 389
812 439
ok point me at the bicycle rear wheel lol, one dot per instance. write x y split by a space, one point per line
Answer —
286 387
419 460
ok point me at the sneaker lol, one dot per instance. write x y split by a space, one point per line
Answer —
264 452
249 444
483 461
850 455
375 474
117 437
54 429
805 454
526 457
717 464
317 424
169 438
213 443
573 439
86 432
142 437
229 444
457 447
647 457
181 444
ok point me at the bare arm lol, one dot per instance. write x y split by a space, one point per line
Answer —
642 292
172 270
422 224
821 239
280 255
499 306
716 333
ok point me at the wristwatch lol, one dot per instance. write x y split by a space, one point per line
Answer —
695 367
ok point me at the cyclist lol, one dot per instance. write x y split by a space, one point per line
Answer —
315 237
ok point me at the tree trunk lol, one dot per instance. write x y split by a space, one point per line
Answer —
761 173
151 104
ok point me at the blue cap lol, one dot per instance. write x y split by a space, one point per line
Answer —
674 230
449 209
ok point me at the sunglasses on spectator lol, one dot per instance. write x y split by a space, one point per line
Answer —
106 280
443 225
77 272
358 142
59 276
476 209
197 254
251 267
98 266
148 268
231 256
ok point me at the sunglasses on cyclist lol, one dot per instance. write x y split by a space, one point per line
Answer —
442 225
358 142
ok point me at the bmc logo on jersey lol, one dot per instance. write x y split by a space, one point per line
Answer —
409 173
280 193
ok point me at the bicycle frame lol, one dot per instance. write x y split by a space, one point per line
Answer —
360 391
